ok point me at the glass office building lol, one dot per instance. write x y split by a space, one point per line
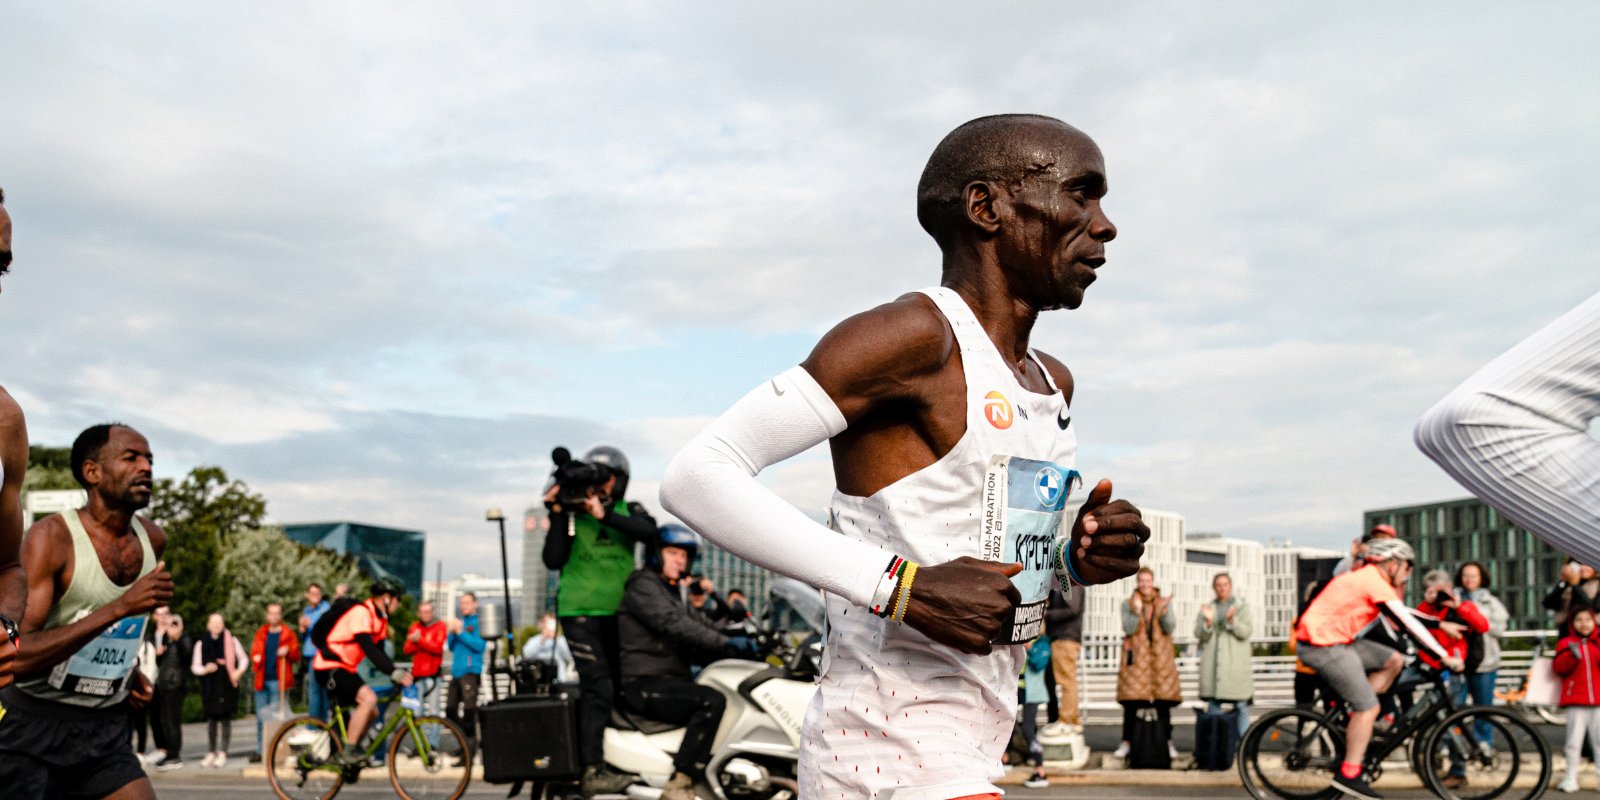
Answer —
1521 568
378 550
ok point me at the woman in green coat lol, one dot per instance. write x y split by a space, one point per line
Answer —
1223 628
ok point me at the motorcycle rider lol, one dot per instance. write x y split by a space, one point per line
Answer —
659 633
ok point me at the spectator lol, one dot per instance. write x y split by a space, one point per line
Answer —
466 667
1457 618
1148 673
1033 694
174 654
1063 621
1579 588
219 660
141 716
1577 661
1483 649
316 693
704 599
341 590
272 653
425 644
1358 548
738 609
550 647
1223 629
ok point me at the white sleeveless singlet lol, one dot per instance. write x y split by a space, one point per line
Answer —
894 710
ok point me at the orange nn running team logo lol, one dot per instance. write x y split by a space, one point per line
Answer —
997 409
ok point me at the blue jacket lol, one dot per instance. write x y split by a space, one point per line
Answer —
312 613
466 648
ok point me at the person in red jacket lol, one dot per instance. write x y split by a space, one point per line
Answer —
1578 664
1456 617
425 644
276 647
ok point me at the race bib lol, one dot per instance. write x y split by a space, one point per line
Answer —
101 667
1024 504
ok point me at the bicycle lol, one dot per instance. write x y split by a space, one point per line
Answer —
427 756
1294 753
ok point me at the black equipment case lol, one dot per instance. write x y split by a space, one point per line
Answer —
530 738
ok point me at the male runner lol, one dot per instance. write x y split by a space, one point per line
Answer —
953 449
356 636
1326 640
13 460
93 577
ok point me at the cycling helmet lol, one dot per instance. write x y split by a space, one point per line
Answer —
613 459
1389 549
674 535
388 585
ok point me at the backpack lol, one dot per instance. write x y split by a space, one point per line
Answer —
1149 744
337 609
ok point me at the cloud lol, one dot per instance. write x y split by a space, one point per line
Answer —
380 259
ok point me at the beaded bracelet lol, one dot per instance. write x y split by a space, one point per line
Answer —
905 592
883 596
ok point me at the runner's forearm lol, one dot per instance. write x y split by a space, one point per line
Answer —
711 486
41 650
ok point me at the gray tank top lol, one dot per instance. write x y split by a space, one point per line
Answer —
97 675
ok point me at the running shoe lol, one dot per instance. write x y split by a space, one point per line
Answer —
1356 787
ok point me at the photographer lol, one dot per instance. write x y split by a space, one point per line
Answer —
592 534
660 632
1458 618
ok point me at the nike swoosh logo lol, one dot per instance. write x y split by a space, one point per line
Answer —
1063 422
775 387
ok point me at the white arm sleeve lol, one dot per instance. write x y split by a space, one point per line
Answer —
711 486
1516 433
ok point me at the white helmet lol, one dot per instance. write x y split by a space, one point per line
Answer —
1388 550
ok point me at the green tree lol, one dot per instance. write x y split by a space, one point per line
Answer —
49 468
261 566
202 514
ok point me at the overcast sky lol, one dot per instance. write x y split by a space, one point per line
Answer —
377 259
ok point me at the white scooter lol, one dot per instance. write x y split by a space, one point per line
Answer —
757 746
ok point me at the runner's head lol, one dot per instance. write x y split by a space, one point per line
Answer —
1023 190
114 463
5 236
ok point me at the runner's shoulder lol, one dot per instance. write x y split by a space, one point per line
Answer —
157 534
902 338
11 420
48 539
1058 373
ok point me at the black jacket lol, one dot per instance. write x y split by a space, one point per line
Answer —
659 631
172 666
1063 617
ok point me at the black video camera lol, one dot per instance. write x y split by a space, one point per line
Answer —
577 479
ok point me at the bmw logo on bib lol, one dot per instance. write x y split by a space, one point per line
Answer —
1050 486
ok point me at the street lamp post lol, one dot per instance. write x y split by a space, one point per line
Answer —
495 515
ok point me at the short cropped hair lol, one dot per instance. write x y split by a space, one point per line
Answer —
995 148
87 447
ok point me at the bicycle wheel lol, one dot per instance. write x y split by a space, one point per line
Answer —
1498 753
1291 754
1552 715
297 757
437 766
